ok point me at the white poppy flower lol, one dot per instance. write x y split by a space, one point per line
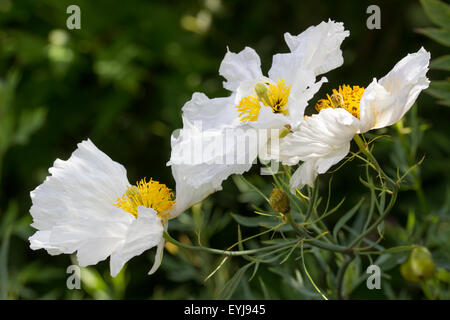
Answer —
281 98
257 105
323 139
88 206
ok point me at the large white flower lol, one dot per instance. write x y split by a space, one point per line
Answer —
257 104
323 139
88 206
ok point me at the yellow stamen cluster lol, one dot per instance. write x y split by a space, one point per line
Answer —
249 109
151 194
271 95
346 97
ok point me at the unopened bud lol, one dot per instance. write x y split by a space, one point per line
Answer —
286 130
419 266
279 201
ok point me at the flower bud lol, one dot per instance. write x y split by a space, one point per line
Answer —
419 266
279 201
286 130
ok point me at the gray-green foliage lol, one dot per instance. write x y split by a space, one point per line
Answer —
439 12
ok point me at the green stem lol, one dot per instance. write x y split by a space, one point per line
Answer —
379 220
415 173
310 208
317 243
226 252
363 147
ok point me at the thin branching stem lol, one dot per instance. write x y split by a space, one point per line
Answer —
226 252
363 147
379 220
316 243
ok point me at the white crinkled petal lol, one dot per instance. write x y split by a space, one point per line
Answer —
145 232
317 49
302 82
186 194
319 46
298 101
267 119
204 113
93 239
73 209
159 253
211 156
319 135
238 67
313 52
304 175
41 240
86 185
201 161
320 141
288 66
386 101
204 154
158 257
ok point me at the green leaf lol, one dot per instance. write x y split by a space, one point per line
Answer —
9 218
441 63
257 221
443 275
38 273
231 286
389 261
4 249
439 35
94 284
29 122
380 229
399 249
264 289
438 12
410 223
244 186
309 277
296 283
6 229
346 217
440 90
445 102
352 275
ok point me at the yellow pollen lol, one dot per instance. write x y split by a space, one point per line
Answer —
151 194
346 97
271 95
249 109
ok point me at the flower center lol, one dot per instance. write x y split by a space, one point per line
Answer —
151 194
271 95
346 97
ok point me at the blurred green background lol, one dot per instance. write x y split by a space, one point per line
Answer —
122 79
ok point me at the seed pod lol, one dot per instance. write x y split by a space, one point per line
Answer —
419 266
279 201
